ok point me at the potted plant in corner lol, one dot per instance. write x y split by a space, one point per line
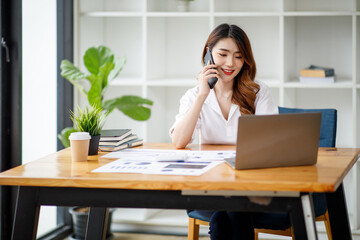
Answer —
90 120
103 67
80 217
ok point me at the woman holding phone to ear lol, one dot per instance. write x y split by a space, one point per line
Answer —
215 112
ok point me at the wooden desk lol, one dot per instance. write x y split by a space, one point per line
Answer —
56 180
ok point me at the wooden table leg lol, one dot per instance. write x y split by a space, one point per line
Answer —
26 214
97 223
338 214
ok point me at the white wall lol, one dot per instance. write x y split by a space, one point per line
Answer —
39 88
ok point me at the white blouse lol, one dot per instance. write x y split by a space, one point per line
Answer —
213 127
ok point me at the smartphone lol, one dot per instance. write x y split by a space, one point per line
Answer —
208 57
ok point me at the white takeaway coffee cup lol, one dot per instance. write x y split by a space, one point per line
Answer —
79 142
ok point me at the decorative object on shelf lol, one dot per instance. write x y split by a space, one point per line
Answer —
183 5
103 67
90 120
317 71
314 80
317 74
80 217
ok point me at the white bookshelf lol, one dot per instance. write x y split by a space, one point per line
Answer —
163 48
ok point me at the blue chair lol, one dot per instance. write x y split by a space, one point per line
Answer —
328 123
279 223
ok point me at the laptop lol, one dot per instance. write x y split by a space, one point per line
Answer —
265 141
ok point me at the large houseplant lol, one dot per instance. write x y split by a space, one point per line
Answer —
103 67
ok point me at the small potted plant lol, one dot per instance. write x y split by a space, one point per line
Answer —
90 120
183 5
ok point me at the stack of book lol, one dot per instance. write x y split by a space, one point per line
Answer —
117 139
316 74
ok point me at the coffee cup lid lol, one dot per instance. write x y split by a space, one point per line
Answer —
79 136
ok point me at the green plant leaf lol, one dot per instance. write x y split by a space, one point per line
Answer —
104 73
94 58
132 106
119 64
72 74
98 83
64 136
95 93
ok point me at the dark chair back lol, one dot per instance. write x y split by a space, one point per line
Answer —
328 123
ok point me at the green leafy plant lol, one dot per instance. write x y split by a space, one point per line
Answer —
64 135
90 120
103 67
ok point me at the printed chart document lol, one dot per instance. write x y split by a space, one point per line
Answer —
151 167
166 162
157 155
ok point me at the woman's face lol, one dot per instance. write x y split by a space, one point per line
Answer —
228 58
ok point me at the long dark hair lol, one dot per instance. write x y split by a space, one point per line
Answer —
244 88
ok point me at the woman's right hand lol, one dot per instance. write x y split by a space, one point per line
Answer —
184 129
207 72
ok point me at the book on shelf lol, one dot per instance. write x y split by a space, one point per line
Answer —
114 134
116 142
128 144
317 71
314 80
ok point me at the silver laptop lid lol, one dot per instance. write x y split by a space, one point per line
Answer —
265 141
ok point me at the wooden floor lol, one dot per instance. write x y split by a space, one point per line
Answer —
136 236
141 236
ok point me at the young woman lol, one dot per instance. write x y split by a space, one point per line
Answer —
215 112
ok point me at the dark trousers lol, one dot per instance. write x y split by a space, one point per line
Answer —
227 225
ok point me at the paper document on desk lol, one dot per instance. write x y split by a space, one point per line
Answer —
169 162
164 155
171 167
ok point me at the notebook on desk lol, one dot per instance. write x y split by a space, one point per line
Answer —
283 140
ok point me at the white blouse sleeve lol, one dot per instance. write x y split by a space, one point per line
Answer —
264 103
186 102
